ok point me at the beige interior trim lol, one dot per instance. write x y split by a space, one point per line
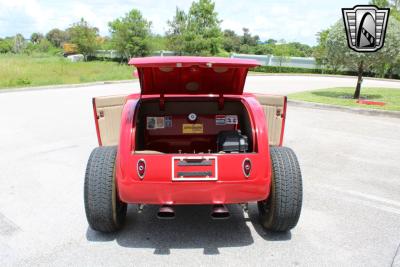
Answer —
271 100
109 110
273 108
107 101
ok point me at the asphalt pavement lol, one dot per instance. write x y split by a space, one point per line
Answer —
351 172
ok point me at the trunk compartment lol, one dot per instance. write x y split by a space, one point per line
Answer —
190 126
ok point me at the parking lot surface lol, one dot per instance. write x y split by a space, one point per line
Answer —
351 173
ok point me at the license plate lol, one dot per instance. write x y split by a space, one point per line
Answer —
203 168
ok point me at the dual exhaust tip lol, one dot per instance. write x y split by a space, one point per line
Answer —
166 212
217 212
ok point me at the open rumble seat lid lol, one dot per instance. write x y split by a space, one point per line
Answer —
192 75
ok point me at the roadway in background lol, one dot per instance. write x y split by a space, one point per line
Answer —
350 165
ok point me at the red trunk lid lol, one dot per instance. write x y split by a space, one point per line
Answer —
192 75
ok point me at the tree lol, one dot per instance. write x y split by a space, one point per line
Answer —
57 37
319 52
6 45
395 68
297 49
394 6
248 39
282 53
204 35
177 29
157 42
84 37
380 3
129 34
264 49
339 53
248 42
36 37
44 46
196 33
246 49
19 43
231 41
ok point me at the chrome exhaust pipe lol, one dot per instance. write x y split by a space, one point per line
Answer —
166 212
219 212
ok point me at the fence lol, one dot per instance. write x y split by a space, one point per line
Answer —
109 54
113 54
270 60
265 60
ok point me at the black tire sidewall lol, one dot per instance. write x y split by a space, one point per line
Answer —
285 199
104 210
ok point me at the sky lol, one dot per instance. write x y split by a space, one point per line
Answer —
290 20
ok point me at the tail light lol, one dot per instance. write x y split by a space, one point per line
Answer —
141 168
246 167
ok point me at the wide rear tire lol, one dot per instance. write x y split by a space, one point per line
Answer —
105 212
281 210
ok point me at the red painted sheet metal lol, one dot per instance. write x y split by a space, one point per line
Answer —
96 120
192 75
157 186
189 61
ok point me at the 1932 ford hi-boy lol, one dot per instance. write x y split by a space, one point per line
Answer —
191 136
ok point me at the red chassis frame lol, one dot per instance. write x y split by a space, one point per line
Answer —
157 186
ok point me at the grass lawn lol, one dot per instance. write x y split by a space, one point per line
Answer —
23 70
342 96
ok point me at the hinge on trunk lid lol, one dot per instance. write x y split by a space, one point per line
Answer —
221 101
162 102
279 113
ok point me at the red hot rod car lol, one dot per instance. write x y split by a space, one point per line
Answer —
191 136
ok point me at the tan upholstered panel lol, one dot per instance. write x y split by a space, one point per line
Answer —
274 124
273 108
271 100
109 109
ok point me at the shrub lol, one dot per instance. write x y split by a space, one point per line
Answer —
276 69
6 45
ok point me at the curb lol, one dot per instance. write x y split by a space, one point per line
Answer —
61 86
370 112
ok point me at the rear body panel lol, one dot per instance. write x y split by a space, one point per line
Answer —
159 186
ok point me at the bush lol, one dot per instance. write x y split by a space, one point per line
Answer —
275 69
6 45
222 53
44 46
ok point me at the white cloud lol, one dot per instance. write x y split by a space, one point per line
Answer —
292 20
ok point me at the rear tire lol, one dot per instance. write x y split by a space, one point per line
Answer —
281 210
105 212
